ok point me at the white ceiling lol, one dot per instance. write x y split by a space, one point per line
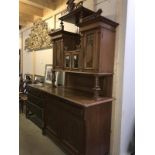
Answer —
30 10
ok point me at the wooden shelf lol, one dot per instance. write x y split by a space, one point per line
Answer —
84 73
76 97
74 16
60 31
90 73
94 19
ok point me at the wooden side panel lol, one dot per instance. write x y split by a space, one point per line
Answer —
57 54
73 133
52 117
106 86
106 58
90 53
35 105
65 123
82 82
98 123
86 83
89 50
70 41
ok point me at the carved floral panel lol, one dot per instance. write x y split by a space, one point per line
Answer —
38 38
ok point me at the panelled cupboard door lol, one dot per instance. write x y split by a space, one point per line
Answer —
73 133
58 54
53 118
89 50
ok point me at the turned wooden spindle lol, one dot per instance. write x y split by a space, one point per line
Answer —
62 25
53 79
81 17
96 88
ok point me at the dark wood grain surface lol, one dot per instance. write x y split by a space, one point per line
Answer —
77 97
76 122
78 116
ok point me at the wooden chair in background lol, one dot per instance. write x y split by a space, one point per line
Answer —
23 91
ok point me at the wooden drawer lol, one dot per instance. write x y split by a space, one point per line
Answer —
38 111
65 105
37 114
71 108
72 133
35 100
35 92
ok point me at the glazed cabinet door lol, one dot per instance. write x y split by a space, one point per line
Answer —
58 54
67 61
71 61
75 61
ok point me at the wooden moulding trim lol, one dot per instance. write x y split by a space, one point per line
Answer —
75 15
76 51
79 102
90 73
39 49
56 37
95 26
56 32
94 19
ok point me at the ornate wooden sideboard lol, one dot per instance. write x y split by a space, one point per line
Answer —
77 116
78 124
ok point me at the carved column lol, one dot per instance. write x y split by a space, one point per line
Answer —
96 88
62 25
81 17
81 51
53 79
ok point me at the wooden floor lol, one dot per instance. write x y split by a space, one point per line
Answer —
32 142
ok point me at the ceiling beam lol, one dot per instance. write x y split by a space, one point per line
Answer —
26 17
30 10
23 22
29 2
51 4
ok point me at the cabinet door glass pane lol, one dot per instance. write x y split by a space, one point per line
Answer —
89 50
75 61
58 52
67 61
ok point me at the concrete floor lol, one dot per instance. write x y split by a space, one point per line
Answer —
32 142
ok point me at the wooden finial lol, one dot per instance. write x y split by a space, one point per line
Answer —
53 79
62 25
99 11
71 5
96 88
